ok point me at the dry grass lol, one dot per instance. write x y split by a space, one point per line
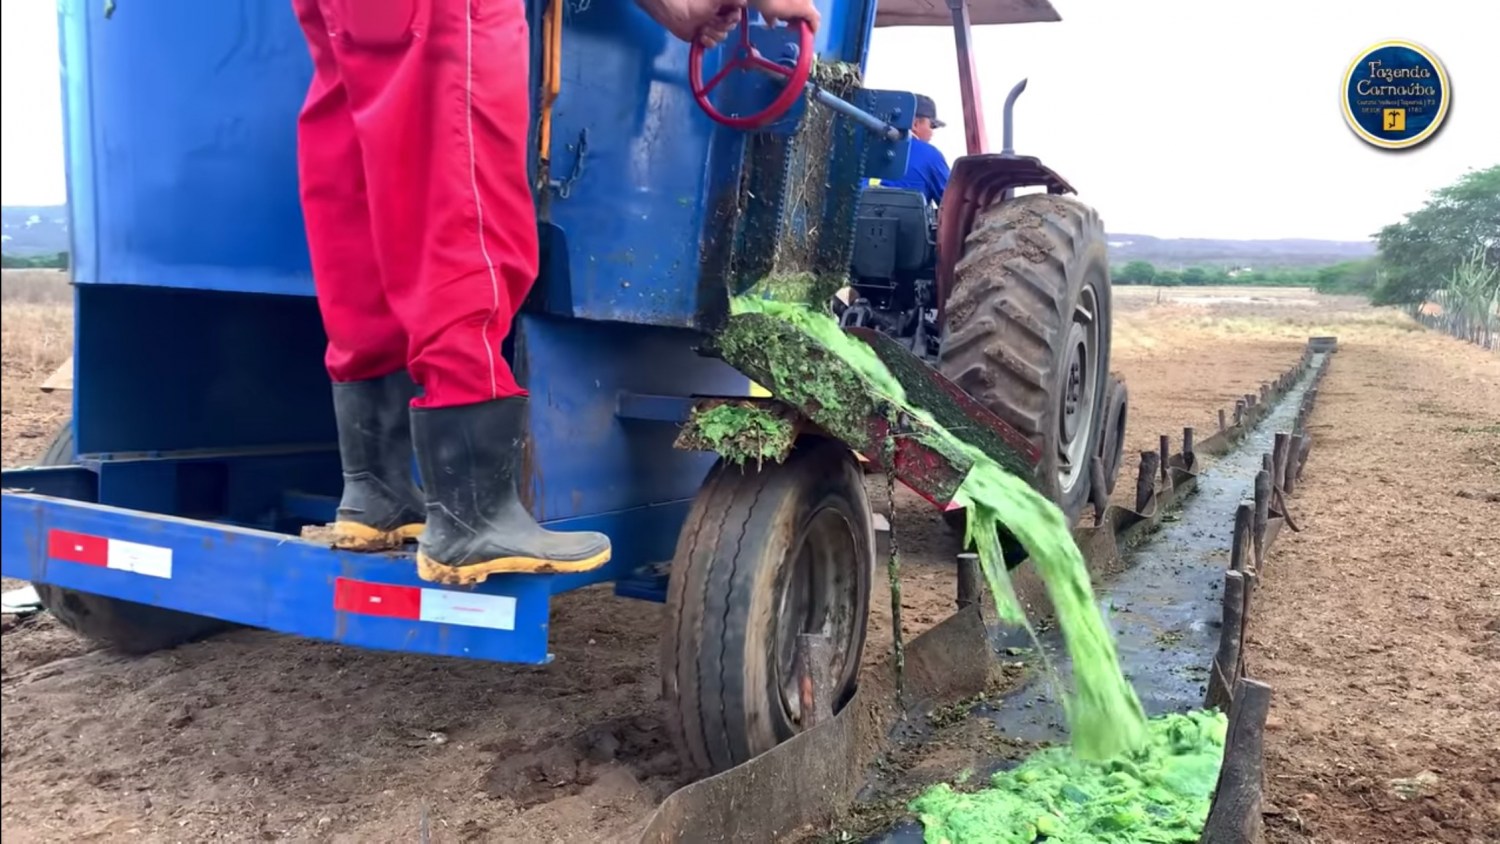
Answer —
37 333
1146 315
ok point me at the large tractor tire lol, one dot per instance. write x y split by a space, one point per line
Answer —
1027 329
125 626
767 552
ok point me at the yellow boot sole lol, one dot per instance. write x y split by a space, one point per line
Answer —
353 536
434 572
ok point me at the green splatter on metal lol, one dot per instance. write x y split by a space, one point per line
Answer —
739 433
839 78
1161 792
807 376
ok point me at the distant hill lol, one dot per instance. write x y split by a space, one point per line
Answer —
30 230
43 230
1180 253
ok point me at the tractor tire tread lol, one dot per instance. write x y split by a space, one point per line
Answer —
1008 305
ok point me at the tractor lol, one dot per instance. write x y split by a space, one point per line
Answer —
185 494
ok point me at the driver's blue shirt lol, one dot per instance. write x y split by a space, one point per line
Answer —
926 171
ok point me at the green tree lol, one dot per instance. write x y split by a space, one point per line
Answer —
55 261
1347 277
1218 277
1420 254
1136 272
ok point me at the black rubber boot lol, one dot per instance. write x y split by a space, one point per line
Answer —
381 507
470 459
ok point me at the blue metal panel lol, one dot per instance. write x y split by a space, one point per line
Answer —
643 197
73 482
181 147
586 458
181 122
883 158
161 369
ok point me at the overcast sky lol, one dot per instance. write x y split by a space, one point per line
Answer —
1177 118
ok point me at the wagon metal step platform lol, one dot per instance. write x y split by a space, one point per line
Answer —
273 580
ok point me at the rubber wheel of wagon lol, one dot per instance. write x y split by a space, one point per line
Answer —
1027 332
1112 440
126 626
767 552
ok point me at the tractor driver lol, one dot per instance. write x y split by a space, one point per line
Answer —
422 234
926 169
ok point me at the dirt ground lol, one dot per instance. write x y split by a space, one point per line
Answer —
1379 625
253 735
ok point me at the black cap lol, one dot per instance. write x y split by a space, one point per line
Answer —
928 109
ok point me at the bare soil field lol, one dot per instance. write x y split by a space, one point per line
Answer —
255 736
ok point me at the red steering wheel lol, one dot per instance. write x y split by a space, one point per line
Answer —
747 58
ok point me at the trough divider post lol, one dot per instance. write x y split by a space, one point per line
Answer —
1252 582
1235 814
1098 491
1242 552
1189 457
1293 465
1225 673
815 678
1166 456
1239 411
1278 460
968 580
1262 513
1145 483
1222 426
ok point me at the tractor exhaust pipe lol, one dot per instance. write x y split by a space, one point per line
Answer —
1008 148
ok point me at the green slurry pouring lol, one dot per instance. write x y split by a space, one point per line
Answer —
1161 793
1104 715
1123 779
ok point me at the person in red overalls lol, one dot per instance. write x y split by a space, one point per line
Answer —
422 232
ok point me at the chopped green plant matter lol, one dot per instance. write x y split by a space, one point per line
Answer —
1160 793
796 287
1104 714
739 432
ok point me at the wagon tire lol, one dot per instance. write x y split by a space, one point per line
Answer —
125 626
767 552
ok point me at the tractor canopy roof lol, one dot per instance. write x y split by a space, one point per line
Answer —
981 12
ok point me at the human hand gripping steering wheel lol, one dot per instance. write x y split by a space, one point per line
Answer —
800 15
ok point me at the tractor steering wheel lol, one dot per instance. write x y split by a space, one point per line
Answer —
747 58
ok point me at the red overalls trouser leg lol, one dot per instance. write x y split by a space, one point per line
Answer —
413 165
422 231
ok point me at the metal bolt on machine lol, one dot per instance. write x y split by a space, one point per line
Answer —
667 179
